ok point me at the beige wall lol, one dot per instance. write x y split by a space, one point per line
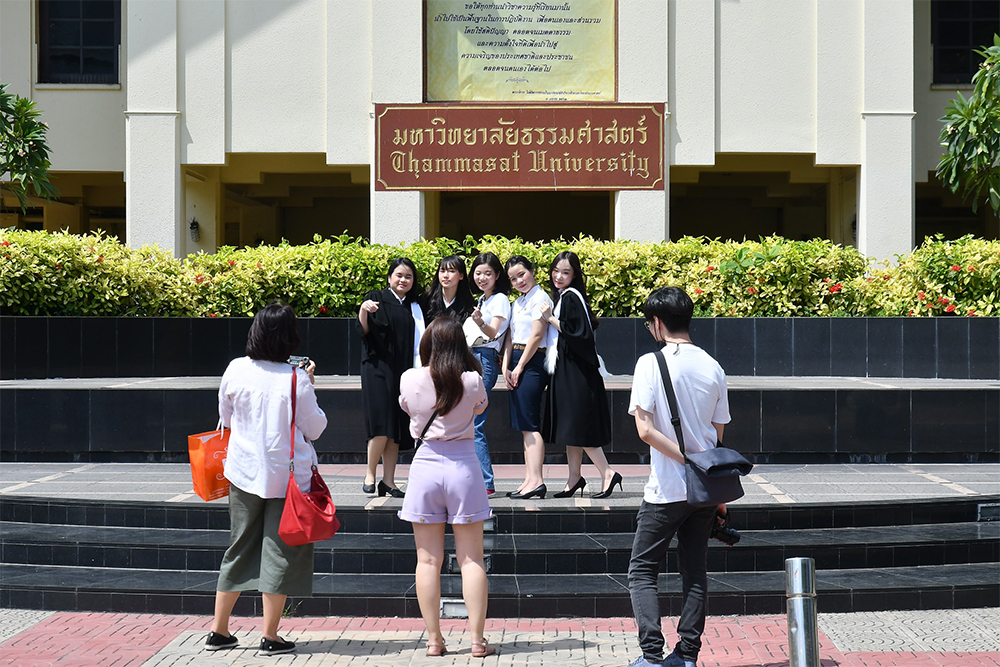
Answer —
300 76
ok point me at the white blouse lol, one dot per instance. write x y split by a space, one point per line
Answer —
526 309
496 306
255 401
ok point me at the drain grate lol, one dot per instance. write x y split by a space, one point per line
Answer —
453 608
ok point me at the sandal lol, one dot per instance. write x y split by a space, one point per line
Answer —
436 649
482 649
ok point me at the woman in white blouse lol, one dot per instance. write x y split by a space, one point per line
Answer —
255 402
524 371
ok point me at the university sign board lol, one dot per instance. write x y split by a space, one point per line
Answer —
519 147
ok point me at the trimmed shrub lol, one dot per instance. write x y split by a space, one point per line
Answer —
63 274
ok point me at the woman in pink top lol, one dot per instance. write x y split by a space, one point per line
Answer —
445 482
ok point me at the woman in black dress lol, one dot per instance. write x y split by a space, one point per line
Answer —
577 413
449 293
390 322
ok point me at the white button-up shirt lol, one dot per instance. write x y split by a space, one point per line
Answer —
255 401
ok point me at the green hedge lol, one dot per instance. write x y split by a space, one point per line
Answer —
63 274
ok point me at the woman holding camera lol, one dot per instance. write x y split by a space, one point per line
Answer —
255 401
390 322
442 399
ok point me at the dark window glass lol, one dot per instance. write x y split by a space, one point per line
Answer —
64 33
63 9
958 29
98 33
78 41
99 9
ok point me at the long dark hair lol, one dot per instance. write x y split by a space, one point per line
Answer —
274 333
408 263
578 282
464 303
502 285
444 350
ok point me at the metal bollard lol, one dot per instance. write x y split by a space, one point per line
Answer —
803 626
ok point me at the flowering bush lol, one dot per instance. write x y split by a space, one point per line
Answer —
63 274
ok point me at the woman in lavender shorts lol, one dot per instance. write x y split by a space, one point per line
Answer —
445 482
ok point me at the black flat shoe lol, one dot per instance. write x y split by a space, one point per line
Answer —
579 486
616 479
217 642
368 488
384 489
538 491
271 647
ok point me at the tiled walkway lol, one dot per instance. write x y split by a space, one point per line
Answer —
120 640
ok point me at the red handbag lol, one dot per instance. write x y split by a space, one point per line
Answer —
307 517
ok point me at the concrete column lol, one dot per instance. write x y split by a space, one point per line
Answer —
397 78
349 75
201 71
643 215
153 194
886 194
16 35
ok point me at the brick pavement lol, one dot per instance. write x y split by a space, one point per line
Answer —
123 640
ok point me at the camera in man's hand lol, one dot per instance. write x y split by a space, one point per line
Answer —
299 362
723 533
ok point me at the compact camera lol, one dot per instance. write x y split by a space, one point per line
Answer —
723 533
300 362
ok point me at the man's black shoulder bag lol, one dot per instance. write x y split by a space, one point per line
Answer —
712 476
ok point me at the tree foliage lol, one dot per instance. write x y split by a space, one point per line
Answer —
971 136
24 153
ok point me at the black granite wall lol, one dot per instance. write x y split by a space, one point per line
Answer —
945 347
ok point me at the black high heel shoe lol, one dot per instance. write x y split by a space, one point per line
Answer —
616 479
537 491
384 489
368 488
579 486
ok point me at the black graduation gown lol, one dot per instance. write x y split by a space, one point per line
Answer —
386 352
577 405
455 311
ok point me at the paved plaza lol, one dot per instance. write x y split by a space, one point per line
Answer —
952 638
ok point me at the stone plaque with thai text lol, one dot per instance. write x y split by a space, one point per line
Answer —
524 147
483 51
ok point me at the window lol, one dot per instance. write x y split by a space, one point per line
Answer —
78 41
958 28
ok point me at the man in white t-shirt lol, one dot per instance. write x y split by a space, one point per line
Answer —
702 400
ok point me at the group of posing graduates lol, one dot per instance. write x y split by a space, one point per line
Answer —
539 340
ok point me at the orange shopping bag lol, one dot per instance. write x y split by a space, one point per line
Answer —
207 452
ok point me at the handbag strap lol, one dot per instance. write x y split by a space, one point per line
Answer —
291 461
426 427
668 387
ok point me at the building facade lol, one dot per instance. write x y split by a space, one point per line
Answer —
198 123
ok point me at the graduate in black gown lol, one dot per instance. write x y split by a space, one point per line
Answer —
449 293
576 414
390 322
